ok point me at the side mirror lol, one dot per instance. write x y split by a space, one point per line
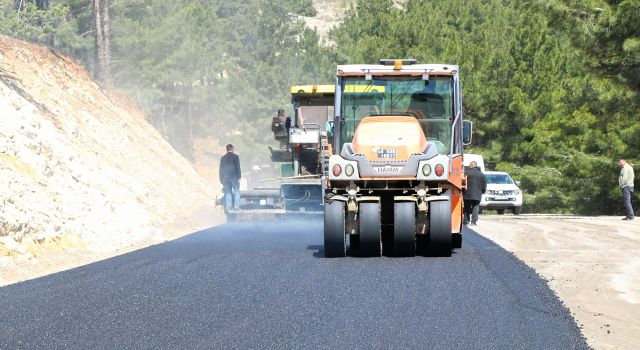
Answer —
467 132
517 183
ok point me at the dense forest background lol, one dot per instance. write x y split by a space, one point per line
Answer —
551 85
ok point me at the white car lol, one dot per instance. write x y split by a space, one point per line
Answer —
502 193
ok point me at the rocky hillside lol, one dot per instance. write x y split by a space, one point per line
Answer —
329 14
79 161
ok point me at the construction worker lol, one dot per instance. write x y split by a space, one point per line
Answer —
476 186
281 117
625 181
230 179
280 125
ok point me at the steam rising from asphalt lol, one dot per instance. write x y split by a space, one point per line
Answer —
267 235
303 224
196 101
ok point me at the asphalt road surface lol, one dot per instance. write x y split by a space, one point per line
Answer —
259 286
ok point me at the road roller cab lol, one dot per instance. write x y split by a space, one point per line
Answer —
394 181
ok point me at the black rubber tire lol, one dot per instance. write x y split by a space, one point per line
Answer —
456 240
500 211
517 210
440 228
404 229
370 230
334 235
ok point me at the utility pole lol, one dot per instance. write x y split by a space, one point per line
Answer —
102 40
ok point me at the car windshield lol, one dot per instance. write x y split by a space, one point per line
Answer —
501 179
431 102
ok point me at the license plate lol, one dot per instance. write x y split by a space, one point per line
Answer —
387 170
387 153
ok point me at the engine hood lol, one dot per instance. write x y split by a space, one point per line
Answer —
389 138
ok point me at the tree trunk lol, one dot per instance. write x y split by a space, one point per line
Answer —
190 121
18 5
163 125
103 40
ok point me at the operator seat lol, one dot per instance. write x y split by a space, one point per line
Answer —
426 105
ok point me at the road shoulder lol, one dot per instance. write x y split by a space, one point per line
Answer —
53 256
591 263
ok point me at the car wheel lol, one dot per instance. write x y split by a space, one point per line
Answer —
517 210
500 211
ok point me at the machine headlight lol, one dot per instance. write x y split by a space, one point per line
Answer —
439 170
348 170
426 170
336 170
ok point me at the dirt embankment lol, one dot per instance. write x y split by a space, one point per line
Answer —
592 263
329 13
80 168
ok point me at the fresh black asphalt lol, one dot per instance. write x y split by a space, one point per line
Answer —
268 286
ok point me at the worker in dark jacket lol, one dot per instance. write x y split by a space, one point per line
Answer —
230 179
476 186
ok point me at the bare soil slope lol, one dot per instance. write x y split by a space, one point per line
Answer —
592 263
79 165
330 13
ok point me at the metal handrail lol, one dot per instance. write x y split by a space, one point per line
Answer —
311 126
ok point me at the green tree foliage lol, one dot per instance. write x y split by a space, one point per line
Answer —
608 32
61 24
27 21
215 67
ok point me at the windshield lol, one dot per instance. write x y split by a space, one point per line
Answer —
312 110
308 116
500 179
431 102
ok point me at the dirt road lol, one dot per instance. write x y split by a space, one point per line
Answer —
592 263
